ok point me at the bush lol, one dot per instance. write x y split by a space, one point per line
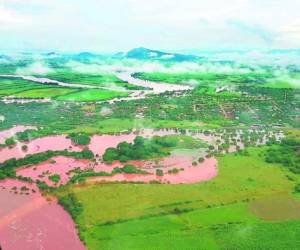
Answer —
24 148
71 205
286 153
128 169
159 172
297 188
80 138
10 141
201 159
55 178
174 171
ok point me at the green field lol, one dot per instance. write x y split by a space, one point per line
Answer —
19 88
45 93
113 125
195 78
213 215
102 80
91 95
12 86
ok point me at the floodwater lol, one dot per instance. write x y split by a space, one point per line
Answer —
59 142
202 172
29 222
44 80
157 87
99 143
57 165
5 134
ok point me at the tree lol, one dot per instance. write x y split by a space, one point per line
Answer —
159 172
110 155
80 139
10 141
139 141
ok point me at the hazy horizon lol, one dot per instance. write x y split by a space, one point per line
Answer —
107 27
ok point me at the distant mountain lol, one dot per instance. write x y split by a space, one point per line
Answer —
148 54
5 57
51 54
284 51
86 56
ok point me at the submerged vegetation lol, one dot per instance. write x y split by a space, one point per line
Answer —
7 168
143 149
80 138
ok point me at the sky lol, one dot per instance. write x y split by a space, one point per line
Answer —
120 25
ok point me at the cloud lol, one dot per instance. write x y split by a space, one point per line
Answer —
123 24
261 32
148 67
36 68
10 17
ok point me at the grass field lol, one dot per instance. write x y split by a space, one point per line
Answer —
20 88
45 93
211 215
10 86
278 207
114 125
102 80
281 84
91 95
195 78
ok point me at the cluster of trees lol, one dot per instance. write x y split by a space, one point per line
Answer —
43 186
80 138
140 149
54 178
28 134
128 169
71 205
10 141
82 175
286 153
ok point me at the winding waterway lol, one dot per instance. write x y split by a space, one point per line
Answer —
152 87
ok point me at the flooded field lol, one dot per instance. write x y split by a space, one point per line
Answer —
188 175
5 134
39 145
29 221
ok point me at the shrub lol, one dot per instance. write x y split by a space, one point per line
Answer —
10 141
55 178
24 148
297 188
201 159
80 138
159 172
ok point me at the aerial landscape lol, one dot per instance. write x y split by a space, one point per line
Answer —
135 139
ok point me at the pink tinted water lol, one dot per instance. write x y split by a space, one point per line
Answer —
58 165
12 131
99 143
29 222
59 142
202 172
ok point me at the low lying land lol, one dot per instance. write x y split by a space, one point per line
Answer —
181 152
